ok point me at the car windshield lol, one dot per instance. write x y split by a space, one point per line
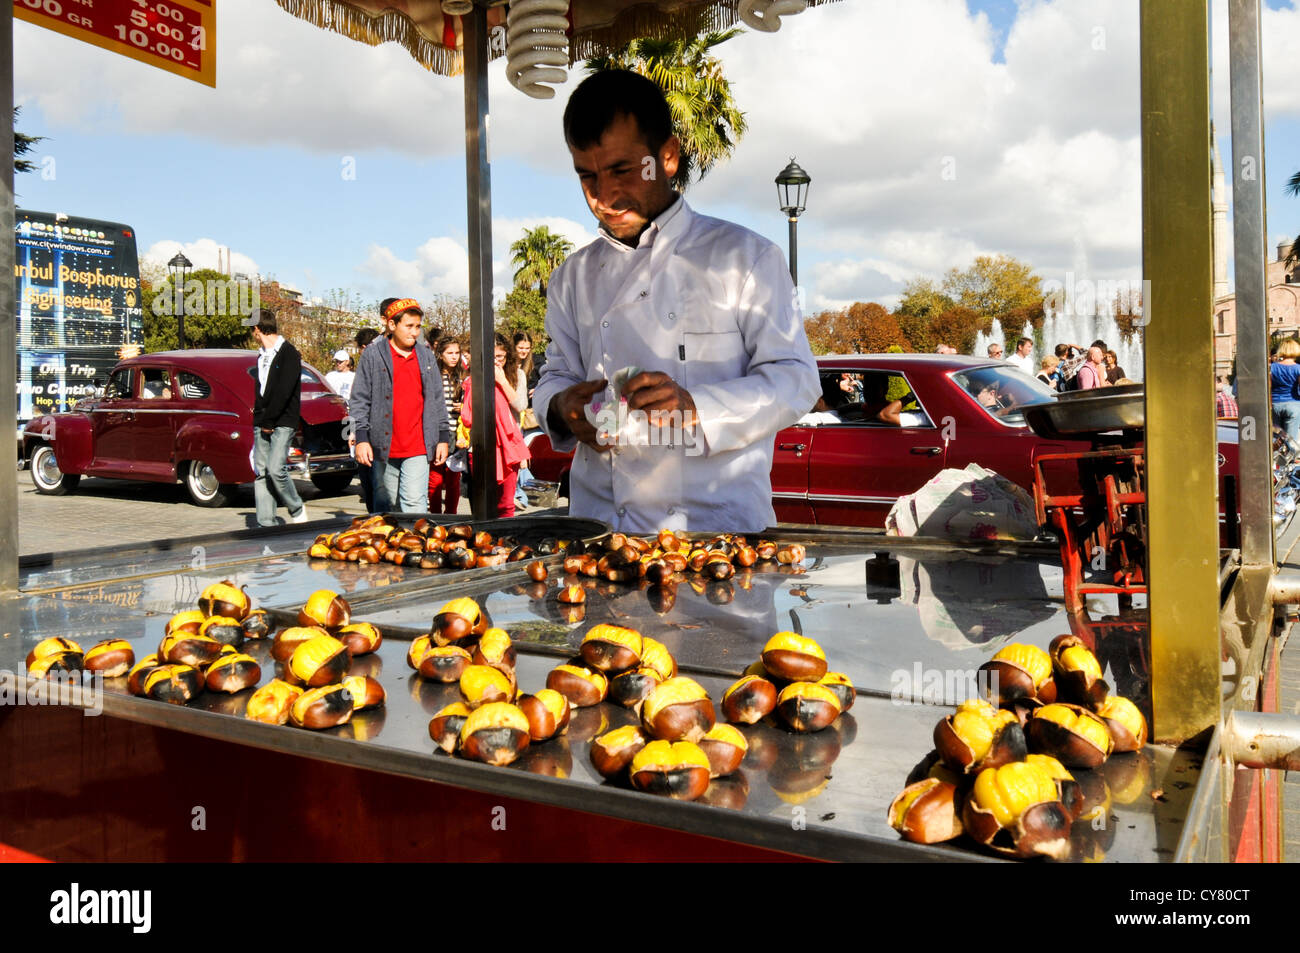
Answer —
1002 391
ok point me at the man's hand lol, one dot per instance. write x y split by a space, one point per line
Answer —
568 406
365 454
657 395
440 455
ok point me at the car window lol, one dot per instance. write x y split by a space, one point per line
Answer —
872 398
119 385
155 384
193 387
1002 392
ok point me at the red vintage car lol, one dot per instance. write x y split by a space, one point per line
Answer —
187 416
848 460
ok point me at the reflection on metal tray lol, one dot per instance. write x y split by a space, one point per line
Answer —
527 529
1088 411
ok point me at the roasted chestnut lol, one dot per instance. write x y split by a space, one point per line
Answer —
1128 729
634 686
581 686
271 703
184 649
175 684
54 645
55 662
445 726
612 752
839 683
679 770
571 595
188 621
326 609
459 622
324 707
1019 671
668 540
361 638
232 672
1014 810
495 733
679 709
443 663
749 700
416 651
365 692
718 567
791 656
791 555
224 629
725 748
287 640
112 658
495 649
319 551
1071 734
1077 672
256 625
655 656
927 812
536 571
1068 790
482 685
224 599
978 736
322 660
547 713
135 677
611 648
807 706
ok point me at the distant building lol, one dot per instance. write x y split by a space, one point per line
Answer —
1283 284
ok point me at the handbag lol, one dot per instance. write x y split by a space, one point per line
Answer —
528 420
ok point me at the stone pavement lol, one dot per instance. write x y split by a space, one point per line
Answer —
1288 700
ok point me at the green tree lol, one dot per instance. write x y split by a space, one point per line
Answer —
23 144
536 256
922 299
705 116
213 315
994 285
1293 186
524 309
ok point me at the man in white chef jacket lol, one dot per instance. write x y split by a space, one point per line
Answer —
703 308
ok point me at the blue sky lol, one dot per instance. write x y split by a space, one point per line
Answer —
1035 106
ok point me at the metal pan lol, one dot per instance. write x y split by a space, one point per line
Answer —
1077 413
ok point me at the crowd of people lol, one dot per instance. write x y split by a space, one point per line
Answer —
1071 367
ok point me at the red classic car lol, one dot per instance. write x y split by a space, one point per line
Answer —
850 458
188 416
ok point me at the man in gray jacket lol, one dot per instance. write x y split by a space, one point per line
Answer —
398 410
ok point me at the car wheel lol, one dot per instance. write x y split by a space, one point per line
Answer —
331 484
47 476
203 486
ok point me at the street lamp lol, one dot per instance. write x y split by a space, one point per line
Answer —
180 267
792 189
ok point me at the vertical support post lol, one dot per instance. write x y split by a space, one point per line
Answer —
794 252
8 319
483 480
1250 249
1182 474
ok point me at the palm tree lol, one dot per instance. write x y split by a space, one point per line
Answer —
1293 186
705 116
537 255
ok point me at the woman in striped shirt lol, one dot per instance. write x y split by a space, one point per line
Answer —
444 484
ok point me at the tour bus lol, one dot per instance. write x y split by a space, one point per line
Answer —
77 289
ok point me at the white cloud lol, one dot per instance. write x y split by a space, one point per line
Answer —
202 253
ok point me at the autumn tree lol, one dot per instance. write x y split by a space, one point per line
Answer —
858 329
958 327
994 285
922 299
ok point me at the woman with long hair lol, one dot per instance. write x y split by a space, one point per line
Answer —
511 451
523 351
1284 375
444 484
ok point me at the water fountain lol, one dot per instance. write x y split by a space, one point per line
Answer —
1067 327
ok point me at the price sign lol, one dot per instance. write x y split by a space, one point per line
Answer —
179 36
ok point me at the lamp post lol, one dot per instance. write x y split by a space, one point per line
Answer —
792 189
179 267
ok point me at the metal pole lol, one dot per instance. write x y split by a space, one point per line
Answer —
794 252
8 344
483 485
1250 245
1182 475
180 311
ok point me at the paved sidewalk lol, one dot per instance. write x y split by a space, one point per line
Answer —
1288 700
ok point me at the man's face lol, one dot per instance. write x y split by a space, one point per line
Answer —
1024 349
1095 355
625 186
995 350
405 329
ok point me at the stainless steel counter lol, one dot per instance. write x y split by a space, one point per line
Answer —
909 635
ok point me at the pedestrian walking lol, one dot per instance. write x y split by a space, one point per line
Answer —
1284 374
342 376
275 420
399 411
511 451
444 482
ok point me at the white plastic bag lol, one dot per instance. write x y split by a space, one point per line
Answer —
973 503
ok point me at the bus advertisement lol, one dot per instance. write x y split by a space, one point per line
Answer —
77 287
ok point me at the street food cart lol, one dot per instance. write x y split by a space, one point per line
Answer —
905 619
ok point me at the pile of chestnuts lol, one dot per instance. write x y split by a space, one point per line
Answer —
790 681
426 545
1016 771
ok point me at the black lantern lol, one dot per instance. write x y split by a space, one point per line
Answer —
179 267
792 189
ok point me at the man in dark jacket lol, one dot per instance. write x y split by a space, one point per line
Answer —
399 412
275 419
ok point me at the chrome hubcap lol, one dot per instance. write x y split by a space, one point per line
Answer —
205 481
48 467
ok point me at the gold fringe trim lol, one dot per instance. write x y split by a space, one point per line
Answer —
390 26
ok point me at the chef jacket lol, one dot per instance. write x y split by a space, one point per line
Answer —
712 305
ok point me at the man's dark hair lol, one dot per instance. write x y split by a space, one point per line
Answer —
266 322
1024 341
603 97
1063 351
365 336
1099 343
